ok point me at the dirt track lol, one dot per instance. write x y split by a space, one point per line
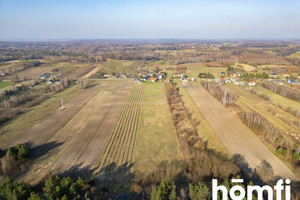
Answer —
235 136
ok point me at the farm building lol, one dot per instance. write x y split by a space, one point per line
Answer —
168 80
153 80
252 83
285 75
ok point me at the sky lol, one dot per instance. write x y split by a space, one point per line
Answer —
36 20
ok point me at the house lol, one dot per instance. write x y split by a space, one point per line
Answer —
185 80
237 83
285 75
222 74
58 75
273 75
252 83
241 83
168 80
233 79
160 76
137 80
153 79
227 81
106 75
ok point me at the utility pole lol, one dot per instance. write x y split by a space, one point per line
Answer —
224 99
62 103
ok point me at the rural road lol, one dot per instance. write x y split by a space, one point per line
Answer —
235 136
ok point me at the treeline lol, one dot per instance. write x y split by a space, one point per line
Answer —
54 188
20 66
14 158
10 54
218 93
198 191
272 136
17 100
131 56
205 75
252 76
261 126
282 90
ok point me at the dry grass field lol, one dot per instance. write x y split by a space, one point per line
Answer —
236 137
279 118
156 139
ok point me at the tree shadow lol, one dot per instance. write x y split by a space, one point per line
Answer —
79 171
43 149
92 85
247 172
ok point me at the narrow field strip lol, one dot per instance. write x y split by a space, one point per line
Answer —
119 147
85 149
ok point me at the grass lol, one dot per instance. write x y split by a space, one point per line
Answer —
156 139
25 121
247 67
111 66
278 100
119 147
203 128
193 69
68 134
276 116
294 55
4 84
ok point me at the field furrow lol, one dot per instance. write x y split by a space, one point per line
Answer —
118 147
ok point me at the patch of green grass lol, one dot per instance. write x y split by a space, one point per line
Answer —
156 140
279 100
25 61
25 121
193 69
5 84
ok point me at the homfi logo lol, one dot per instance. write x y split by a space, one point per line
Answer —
238 192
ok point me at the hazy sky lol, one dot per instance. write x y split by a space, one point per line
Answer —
187 19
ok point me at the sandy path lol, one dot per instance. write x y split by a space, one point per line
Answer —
235 136
85 150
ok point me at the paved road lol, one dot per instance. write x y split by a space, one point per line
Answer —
235 136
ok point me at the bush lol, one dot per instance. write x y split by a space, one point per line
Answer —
23 151
63 188
164 191
281 151
10 190
296 156
198 191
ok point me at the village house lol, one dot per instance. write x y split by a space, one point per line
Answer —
153 79
285 75
273 75
252 83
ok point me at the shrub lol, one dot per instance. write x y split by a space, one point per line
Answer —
10 189
198 191
164 191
